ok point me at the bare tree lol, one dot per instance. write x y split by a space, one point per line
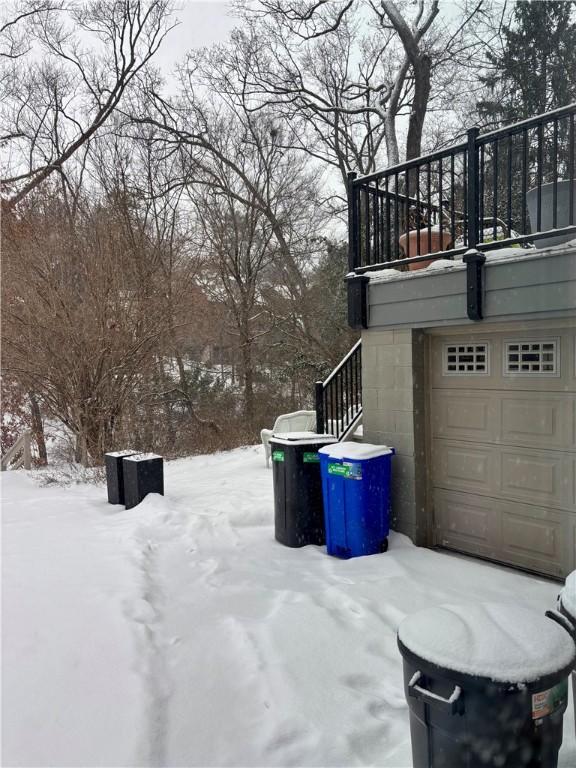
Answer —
57 98
259 171
81 314
15 18
238 244
138 176
359 73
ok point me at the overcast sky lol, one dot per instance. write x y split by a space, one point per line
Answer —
202 22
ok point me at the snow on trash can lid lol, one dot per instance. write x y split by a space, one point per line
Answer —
356 451
301 438
142 457
504 642
568 595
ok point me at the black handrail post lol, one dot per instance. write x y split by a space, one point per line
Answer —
353 233
474 261
319 390
472 188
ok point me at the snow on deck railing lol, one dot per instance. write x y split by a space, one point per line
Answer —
512 186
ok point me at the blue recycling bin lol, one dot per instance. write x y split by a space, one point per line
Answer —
356 493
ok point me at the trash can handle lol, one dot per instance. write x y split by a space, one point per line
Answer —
563 621
418 692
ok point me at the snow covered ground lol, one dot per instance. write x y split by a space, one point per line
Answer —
179 633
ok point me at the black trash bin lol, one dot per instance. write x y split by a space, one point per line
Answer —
298 508
487 686
115 476
143 474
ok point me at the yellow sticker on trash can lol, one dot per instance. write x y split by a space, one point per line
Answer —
546 702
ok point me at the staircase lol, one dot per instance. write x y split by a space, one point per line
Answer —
339 397
19 455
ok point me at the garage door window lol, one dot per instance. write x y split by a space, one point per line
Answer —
466 359
525 357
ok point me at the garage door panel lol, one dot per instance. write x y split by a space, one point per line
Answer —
465 522
536 477
571 541
462 416
495 378
519 474
534 419
512 533
511 419
533 538
465 467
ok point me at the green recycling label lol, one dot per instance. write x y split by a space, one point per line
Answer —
546 702
310 458
348 469
277 455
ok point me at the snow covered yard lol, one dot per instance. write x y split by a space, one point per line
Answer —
180 633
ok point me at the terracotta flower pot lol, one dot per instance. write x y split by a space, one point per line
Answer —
432 241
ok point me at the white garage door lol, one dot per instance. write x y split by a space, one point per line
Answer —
504 446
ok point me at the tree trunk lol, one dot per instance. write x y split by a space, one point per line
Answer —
293 392
246 343
78 442
166 404
38 429
391 140
422 74
81 450
248 376
93 442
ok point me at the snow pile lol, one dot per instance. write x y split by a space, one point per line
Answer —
504 642
180 633
142 457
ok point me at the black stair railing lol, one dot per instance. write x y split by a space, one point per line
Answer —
512 186
339 397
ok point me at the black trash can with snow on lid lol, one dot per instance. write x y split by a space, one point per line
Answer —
486 684
298 507
115 476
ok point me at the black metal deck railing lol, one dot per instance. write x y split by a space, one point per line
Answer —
339 397
508 187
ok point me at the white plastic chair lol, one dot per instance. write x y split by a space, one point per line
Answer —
298 421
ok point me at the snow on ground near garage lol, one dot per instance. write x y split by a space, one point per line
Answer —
179 633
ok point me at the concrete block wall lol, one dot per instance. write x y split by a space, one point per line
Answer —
393 413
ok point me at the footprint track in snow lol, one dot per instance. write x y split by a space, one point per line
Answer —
367 743
290 745
382 694
342 608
